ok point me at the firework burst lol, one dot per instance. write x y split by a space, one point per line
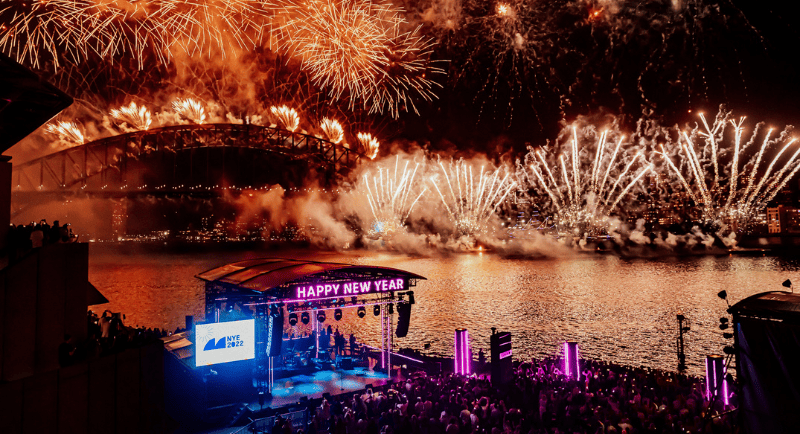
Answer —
726 190
74 30
333 130
287 117
133 116
392 195
471 200
369 145
357 49
68 132
590 184
190 109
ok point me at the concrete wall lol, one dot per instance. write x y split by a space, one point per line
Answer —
121 393
42 297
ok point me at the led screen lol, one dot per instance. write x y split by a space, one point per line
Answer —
224 342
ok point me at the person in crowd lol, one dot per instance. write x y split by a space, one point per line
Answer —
66 351
37 236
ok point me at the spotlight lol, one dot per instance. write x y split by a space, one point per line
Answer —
788 284
305 317
376 310
411 297
292 319
337 314
321 316
724 294
362 312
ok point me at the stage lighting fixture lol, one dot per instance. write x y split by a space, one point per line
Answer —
362 311
337 314
572 360
788 284
391 308
292 319
411 297
305 318
321 317
716 385
376 310
724 294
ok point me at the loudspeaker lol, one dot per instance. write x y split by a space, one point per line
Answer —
403 319
274 334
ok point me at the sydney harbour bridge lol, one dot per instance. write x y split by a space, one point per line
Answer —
201 160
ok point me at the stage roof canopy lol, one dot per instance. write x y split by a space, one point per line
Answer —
772 304
263 274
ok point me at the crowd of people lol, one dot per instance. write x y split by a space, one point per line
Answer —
24 238
608 398
107 334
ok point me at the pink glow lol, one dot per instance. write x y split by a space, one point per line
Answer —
455 353
467 361
345 289
566 359
725 394
461 357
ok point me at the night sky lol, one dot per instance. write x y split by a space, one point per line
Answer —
510 82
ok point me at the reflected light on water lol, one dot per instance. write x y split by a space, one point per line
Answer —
617 309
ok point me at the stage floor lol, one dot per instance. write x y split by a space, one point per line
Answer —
289 390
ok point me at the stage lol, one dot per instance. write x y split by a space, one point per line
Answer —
287 391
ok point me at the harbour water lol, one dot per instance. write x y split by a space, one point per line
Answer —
618 309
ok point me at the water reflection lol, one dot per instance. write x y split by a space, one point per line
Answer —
617 309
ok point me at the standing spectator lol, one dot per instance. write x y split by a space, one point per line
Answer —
66 351
37 236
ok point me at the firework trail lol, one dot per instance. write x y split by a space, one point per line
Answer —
333 130
74 30
359 50
728 191
133 116
369 145
392 195
471 200
591 183
190 109
287 117
68 132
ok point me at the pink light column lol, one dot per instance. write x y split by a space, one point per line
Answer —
571 360
462 360
716 384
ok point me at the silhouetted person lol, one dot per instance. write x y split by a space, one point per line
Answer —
37 236
66 351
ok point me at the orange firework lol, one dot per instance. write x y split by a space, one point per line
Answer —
133 116
286 117
190 109
73 30
369 145
67 131
333 130
357 49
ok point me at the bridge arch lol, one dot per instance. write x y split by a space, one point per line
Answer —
70 170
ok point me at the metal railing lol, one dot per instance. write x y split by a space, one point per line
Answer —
264 425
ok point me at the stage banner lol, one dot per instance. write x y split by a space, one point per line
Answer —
225 342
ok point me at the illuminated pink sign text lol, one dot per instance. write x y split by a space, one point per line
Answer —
308 292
